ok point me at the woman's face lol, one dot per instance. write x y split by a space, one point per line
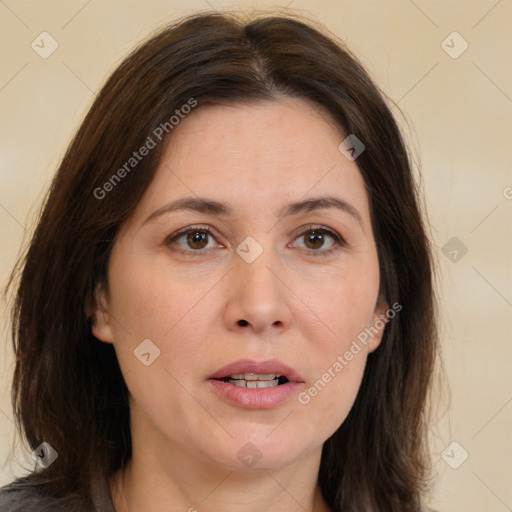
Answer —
282 283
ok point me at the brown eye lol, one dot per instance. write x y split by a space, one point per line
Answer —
320 241
191 240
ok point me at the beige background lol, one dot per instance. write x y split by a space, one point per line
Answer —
458 118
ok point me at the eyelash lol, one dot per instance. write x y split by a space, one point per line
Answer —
339 241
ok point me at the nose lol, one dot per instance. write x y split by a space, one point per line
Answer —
258 297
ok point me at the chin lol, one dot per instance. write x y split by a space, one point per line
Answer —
260 452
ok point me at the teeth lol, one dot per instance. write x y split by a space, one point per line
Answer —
242 383
253 376
253 380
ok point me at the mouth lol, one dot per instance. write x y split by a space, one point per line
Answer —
247 373
249 384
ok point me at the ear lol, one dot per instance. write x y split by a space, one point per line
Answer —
378 324
97 311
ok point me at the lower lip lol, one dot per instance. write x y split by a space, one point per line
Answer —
256 398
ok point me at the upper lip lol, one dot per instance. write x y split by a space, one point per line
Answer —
262 368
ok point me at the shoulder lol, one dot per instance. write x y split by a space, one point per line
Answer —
17 497
23 496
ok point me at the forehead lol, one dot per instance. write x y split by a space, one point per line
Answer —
259 155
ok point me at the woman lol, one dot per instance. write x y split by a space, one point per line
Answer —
227 303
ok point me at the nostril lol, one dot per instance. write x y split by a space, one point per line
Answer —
242 322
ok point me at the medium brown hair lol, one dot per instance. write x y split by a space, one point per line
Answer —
68 389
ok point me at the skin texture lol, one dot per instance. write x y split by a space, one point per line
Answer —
302 307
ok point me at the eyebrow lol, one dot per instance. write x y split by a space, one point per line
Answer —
212 207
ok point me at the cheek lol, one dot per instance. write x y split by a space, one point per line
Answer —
333 388
327 400
340 307
148 303
343 309
151 301
143 295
